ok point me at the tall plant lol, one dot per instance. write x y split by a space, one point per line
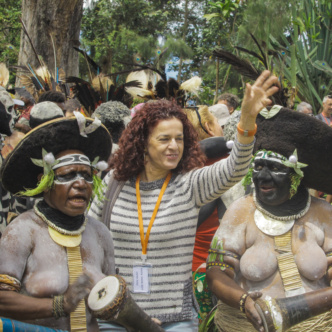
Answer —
221 11
304 56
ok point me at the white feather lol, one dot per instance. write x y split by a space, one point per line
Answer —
192 85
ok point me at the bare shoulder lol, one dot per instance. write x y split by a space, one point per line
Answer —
98 228
233 225
321 209
238 211
26 223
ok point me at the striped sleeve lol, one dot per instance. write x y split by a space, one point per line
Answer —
208 183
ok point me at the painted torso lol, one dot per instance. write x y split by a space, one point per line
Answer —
41 264
258 266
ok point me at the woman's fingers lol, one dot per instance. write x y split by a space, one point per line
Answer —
262 78
271 91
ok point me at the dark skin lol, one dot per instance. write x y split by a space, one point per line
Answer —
41 264
272 182
258 273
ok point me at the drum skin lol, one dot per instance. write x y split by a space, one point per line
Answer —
107 297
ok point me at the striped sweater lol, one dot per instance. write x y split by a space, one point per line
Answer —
171 242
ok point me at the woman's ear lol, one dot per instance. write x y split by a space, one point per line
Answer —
209 129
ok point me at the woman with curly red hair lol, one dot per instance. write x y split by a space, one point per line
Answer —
129 161
155 190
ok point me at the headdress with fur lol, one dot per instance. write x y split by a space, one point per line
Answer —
283 131
19 172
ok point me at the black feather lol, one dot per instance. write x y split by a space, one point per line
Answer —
243 66
88 59
261 50
250 52
161 89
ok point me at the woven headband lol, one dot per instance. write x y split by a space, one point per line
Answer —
269 155
72 159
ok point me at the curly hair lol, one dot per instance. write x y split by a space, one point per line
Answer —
128 160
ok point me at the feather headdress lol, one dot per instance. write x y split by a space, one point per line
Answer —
4 75
147 79
40 80
246 68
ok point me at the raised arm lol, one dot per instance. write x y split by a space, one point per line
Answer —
256 97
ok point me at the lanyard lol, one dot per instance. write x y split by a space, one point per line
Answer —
145 240
325 118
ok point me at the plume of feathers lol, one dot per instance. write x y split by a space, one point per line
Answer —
4 75
173 90
88 59
244 67
37 81
147 79
101 91
192 85
102 84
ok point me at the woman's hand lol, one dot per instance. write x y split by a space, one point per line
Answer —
251 312
256 97
76 292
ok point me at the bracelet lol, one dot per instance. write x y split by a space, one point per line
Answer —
58 310
9 283
223 266
243 302
246 133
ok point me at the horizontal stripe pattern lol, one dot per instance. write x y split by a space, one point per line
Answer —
172 236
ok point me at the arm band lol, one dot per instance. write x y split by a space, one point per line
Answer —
9 283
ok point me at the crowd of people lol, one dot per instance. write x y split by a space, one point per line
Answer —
192 207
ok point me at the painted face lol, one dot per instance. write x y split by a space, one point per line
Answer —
272 181
8 114
72 189
327 106
165 146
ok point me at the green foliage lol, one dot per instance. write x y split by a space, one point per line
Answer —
208 323
123 31
295 182
10 28
44 184
263 18
98 187
305 56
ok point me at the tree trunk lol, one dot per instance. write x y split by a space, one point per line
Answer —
54 28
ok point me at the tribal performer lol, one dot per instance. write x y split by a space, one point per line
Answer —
53 255
276 243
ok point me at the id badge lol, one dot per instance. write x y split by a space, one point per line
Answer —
142 273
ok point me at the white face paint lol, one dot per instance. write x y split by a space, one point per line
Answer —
275 172
72 177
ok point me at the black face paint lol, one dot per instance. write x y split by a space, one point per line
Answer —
272 182
73 176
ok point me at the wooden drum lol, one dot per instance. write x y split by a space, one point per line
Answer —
107 297
110 300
